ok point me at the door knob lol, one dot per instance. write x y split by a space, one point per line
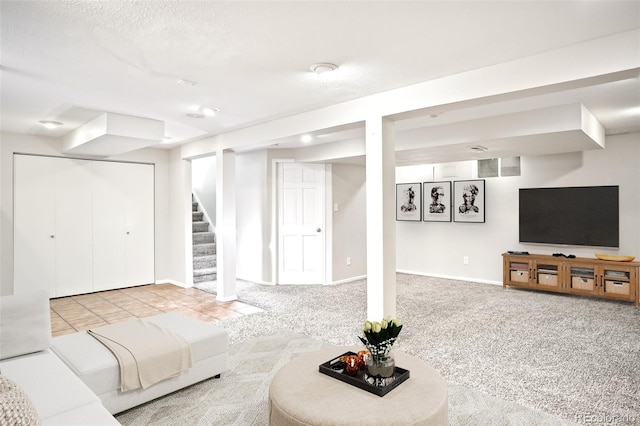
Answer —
318 230
51 236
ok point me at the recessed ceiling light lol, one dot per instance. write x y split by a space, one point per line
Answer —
50 124
478 148
305 138
208 111
187 82
195 115
323 67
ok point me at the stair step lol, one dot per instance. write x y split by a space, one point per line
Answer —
197 216
204 262
204 271
203 237
200 227
204 249
203 278
206 274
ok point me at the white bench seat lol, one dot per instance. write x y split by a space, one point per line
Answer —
98 368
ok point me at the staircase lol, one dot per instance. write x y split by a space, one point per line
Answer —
204 247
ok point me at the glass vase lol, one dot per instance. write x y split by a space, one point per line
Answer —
381 369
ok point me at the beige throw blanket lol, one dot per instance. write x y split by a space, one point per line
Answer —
146 352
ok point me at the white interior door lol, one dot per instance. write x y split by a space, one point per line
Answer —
301 223
34 225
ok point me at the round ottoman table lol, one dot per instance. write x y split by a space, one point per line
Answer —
300 395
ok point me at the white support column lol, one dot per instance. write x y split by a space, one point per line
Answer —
226 225
381 226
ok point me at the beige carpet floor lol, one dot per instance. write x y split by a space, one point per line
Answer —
239 397
573 358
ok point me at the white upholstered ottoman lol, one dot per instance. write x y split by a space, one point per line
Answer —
98 368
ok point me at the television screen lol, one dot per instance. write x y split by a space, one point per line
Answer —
582 216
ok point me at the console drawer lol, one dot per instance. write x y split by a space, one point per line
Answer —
520 276
548 279
581 283
616 287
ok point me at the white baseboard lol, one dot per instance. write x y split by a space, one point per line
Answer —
449 277
347 280
179 284
226 299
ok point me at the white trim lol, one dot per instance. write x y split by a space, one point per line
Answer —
226 299
174 282
347 280
274 216
328 222
450 277
255 281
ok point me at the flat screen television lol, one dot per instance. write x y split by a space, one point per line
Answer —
581 216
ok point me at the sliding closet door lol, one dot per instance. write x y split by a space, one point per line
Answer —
74 227
52 225
108 226
34 224
139 224
123 235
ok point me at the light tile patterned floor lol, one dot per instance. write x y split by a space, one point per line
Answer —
77 313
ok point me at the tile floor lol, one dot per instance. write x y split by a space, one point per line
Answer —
77 313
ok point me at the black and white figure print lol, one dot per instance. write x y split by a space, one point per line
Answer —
469 201
408 201
437 201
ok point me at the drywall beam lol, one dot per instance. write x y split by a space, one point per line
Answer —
111 134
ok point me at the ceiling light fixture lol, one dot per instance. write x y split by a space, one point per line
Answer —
323 67
478 148
48 124
195 115
305 138
208 111
187 82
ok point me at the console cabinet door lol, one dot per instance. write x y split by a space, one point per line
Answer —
517 271
548 275
618 282
583 279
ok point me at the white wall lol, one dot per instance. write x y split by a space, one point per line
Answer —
438 248
164 251
253 217
204 185
349 233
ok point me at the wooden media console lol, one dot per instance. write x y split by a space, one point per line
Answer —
580 275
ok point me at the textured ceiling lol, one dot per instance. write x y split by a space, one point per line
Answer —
71 61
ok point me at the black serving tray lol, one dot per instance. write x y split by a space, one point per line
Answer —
359 381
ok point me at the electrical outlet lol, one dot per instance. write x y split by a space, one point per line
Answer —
465 260
348 261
